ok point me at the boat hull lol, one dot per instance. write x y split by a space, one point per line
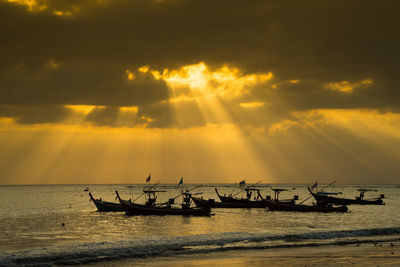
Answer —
139 209
241 201
210 203
302 208
105 206
108 206
345 201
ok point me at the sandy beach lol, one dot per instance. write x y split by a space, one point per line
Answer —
368 254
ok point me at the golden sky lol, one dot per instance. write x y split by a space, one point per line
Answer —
99 91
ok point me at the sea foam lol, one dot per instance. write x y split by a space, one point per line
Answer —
175 245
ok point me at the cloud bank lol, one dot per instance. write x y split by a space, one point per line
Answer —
341 55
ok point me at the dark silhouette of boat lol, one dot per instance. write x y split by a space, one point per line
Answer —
328 198
245 202
211 203
232 202
276 199
151 208
105 206
277 205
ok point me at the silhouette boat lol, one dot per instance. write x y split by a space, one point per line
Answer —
152 208
244 202
276 205
276 199
105 206
211 203
303 208
231 202
330 198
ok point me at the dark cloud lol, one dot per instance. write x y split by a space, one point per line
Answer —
79 84
313 41
156 115
24 114
103 116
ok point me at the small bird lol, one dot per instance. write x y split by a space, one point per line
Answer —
63 224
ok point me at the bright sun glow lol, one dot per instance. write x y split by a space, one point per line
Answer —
225 82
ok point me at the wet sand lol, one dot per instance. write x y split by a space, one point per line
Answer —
367 254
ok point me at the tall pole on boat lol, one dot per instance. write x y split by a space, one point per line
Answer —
187 190
319 190
151 187
247 188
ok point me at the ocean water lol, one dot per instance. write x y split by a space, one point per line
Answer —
31 219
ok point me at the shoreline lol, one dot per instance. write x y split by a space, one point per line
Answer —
366 254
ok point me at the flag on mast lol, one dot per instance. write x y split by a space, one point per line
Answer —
148 178
314 186
180 182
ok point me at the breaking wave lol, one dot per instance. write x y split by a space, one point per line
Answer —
175 245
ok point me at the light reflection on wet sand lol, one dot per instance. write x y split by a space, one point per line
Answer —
369 254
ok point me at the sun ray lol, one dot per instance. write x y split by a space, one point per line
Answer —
324 125
207 88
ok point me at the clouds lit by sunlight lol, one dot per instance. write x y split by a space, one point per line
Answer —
348 87
103 91
226 82
85 109
366 121
56 8
130 75
62 13
251 104
32 5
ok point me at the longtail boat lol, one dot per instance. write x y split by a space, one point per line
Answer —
329 198
276 199
211 203
231 202
151 208
105 206
277 205
257 203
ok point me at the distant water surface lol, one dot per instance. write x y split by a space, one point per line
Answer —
31 220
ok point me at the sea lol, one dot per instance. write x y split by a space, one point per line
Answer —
57 224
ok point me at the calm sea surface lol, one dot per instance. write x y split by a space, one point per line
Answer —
31 230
